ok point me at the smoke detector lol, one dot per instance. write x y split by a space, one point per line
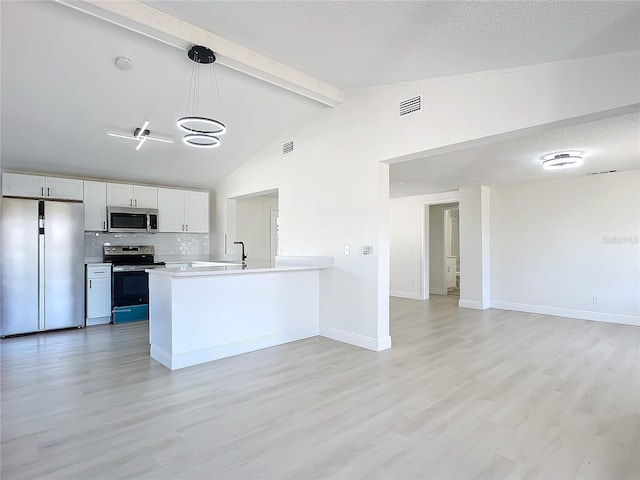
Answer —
124 63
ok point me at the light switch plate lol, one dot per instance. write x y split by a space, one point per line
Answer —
347 250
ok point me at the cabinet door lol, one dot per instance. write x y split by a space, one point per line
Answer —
170 210
18 185
98 297
196 212
145 197
95 206
119 195
64 188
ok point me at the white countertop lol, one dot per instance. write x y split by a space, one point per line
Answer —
283 264
226 269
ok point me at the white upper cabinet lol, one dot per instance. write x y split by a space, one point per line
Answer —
135 196
170 210
17 185
95 206
196 212
183 211
119 195
145 197
64 188
37 186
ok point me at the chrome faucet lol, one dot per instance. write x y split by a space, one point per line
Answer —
244 257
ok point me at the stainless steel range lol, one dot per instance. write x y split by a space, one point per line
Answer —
130 282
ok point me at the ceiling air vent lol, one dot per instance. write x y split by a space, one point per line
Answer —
602 172
410 105
287 148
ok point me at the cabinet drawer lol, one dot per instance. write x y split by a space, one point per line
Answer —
103 271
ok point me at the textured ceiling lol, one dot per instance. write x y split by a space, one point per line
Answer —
362 43
61 92
609 144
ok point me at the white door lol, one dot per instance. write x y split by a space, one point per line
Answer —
95 206
99 297
64 188
145 197
119 195
196 212
170 210
17 185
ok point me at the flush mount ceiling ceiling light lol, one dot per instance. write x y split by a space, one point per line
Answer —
201 130
140 135
562 160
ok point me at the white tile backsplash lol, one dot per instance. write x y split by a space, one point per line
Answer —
166 244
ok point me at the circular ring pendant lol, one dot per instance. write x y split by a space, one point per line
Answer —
200 140
202 125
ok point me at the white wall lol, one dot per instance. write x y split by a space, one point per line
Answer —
475 288
406 225
555 244
332 188
253 227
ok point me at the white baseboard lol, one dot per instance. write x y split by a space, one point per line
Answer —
161 356
401 294
568 312
370 343
187 359
472 304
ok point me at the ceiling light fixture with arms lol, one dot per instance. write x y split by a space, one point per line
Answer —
202 131
140 135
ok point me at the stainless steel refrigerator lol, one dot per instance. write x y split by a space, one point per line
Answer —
42 265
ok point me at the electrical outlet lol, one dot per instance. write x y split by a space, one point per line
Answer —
596 299
347 250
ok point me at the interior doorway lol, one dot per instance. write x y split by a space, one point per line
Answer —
274 235
444 249
255 224
451 219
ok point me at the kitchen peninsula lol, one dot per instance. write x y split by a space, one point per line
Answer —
204 313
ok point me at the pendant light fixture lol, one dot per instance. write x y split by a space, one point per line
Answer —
202 131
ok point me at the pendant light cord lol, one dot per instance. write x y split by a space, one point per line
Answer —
212 74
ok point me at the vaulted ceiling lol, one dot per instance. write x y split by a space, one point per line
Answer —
61 92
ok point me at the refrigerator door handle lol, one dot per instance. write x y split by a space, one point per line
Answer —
41 285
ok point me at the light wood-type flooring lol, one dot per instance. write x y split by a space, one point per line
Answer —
462 394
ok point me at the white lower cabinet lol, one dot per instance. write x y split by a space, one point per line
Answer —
98 293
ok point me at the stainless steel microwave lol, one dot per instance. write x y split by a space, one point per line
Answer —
132 220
